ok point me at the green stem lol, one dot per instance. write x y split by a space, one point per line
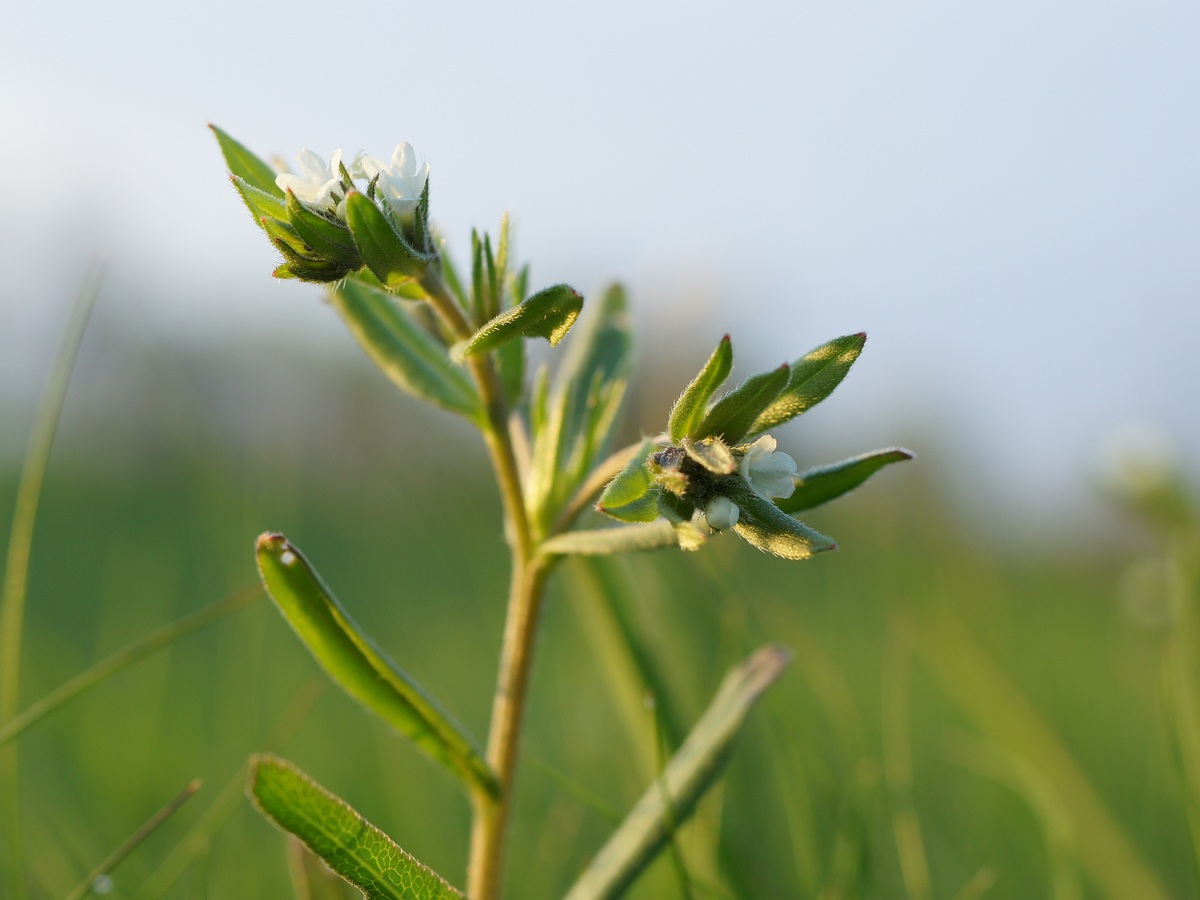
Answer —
491 815
490 825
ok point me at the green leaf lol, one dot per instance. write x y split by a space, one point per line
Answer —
261 204
349 844
813 378
603 541
579 420
689 409
820 485
692 771
386 254
630 496
765 526
359 668
712 453
734 413
327 237
549 313
405 352
245 165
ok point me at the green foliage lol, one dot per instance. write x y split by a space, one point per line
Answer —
408 354
245 166
825 483
734 413
691 772
765 526
359 668
606 541
383 249
349 844
813 377
630 496
549 313
572 425
689 410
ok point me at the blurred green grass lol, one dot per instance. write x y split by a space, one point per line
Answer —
153 512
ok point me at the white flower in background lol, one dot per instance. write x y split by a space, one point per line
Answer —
768 471
400 182
721 513
318 185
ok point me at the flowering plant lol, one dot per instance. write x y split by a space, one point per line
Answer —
362 229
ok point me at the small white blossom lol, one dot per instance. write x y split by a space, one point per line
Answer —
318 185
769 472
721 513
400 182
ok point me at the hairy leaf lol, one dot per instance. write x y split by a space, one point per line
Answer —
689 409
765 526
402 349
734 413
332 829
603 541
630 496
359 668
820 485
245 165
549 313
386 254
812 379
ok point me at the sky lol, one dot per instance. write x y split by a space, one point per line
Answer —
1006 197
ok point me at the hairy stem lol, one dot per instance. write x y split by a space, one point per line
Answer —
490 826
491 815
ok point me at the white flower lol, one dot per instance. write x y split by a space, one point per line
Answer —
401 182
318 185
768 471
721 513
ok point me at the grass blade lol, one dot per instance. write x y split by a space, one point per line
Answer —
358 668
691 772
127 656
134 841
1000 711
349 844
16 570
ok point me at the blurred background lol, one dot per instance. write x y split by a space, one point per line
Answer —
1007 198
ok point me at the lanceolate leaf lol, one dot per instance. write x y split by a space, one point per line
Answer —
734 413
405 351
549 313
689 409
349 844
387 256
581 412
817 486
693 769
764 525
261 204
361 670
246 166
603 541
813 378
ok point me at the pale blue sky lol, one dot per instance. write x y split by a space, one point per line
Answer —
1006 196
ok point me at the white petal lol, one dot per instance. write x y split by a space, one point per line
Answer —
313 166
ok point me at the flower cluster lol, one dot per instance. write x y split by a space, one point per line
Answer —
324 187
332 218
722 471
